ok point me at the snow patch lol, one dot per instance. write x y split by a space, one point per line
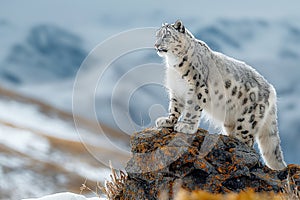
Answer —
66 196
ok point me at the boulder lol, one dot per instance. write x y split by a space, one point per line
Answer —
163 161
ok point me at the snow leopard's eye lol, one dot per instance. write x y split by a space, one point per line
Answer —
168 33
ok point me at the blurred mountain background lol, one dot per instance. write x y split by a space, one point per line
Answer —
43 44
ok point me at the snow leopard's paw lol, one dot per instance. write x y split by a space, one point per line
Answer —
164 122
184 127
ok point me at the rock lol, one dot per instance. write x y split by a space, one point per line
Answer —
163 160
294 178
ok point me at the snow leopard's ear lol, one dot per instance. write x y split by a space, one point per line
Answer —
179 26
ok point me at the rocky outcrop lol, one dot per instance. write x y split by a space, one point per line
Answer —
163 161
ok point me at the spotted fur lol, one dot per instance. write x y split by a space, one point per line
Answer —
235 95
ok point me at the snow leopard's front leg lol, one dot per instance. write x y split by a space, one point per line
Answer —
175 108
194 103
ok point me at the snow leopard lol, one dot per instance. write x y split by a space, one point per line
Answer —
239 99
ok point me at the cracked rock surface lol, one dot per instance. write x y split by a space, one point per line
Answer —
164 160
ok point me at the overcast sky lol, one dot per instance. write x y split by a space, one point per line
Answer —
73 11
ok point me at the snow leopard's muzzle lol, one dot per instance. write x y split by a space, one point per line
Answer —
159 48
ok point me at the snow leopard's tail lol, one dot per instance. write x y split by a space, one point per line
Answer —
269 141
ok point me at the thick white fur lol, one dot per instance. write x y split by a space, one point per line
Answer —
245 108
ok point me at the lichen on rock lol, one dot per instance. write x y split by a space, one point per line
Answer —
163 161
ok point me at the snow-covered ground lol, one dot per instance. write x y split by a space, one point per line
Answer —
66 196
43 44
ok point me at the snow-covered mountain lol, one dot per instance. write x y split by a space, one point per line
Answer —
43 44
48 51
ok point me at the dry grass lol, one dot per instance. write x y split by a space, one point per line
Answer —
112 189
291 193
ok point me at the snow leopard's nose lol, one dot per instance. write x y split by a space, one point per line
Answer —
156 45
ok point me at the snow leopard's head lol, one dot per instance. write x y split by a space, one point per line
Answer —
172 39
